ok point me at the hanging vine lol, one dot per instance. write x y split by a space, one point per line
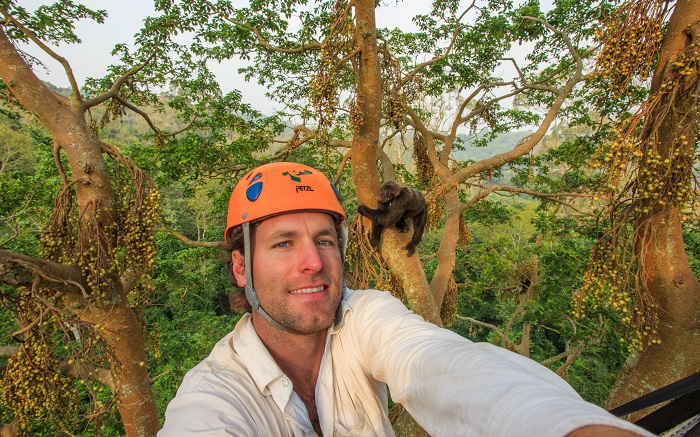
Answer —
365 267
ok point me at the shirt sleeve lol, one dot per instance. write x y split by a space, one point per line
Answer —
454 387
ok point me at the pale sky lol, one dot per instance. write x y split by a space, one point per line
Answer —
92 56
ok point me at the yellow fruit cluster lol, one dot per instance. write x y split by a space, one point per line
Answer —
630 40
323 89
609 283
35 388
140 215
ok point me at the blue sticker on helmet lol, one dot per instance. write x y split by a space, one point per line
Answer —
335 190
257 176
253 191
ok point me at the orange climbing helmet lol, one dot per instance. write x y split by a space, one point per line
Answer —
281 187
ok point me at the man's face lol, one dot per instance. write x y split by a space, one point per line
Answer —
297 270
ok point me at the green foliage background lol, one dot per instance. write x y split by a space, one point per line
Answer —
190 311
195 172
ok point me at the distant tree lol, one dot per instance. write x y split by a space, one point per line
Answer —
16 151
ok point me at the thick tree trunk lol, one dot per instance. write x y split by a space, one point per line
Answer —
365 153
365 143
663 264
123 334
95 199
677 293
365 175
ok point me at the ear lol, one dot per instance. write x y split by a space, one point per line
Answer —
238 267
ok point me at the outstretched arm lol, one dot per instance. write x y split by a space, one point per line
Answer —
452 386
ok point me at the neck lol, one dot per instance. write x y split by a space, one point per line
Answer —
296 354
299 357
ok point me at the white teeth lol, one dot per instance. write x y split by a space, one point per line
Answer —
307 290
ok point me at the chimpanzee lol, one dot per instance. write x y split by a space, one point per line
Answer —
397 203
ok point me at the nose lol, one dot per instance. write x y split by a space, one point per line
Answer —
310 258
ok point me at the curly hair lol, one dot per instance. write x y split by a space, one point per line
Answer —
237 299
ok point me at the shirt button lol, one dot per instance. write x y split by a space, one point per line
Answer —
285 382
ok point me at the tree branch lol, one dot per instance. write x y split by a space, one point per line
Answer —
342 165
21 270
516 66
263 42
566 353
66 66
526 144
59 165
113 91
555 197
419 67
505 340
308 136
29 327
82 371
187 240
140 112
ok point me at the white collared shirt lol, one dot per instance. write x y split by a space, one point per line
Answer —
450 385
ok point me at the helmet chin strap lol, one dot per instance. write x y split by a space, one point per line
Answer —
250 292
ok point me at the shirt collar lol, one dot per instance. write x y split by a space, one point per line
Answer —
340 314
255 356
252 352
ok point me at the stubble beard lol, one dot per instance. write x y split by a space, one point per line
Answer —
319 320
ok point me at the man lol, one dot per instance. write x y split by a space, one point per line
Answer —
315 358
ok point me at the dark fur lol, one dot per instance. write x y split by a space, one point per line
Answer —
397 203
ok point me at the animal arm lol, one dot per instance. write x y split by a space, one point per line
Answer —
385 217
397 204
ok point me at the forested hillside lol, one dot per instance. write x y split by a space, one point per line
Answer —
564 228
476 150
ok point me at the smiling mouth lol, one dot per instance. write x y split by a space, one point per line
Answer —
307 290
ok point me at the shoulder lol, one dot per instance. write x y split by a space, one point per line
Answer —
374 306
221 367
412 193
216 396
368 297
